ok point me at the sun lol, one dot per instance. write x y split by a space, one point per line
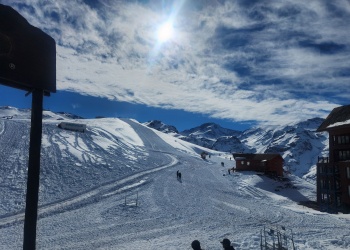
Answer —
165 32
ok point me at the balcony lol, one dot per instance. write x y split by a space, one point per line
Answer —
323 159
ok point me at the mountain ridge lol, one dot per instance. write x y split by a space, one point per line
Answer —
299 144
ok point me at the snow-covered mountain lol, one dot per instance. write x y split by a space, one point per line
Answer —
230 144
207 135
210 131
115 187
299 144
160 126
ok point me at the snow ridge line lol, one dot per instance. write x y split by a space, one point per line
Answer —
100 191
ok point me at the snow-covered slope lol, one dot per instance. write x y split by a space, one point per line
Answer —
115 187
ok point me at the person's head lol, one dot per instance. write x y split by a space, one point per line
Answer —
196 245
225 243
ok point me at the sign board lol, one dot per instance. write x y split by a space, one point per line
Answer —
27 54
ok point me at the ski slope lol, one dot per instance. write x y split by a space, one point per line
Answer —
115 187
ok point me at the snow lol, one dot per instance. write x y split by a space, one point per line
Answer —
115 187
339 124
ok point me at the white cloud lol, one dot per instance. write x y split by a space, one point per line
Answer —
271 62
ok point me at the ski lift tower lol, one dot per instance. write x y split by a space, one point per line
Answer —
28 62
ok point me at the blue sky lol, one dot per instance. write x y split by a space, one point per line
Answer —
238 63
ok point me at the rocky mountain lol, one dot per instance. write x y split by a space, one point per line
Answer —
230 144
299 144
160 126
211 135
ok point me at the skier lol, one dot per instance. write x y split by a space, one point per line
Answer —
226 244
178 174
196 245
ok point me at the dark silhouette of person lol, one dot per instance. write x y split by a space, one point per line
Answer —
196 245
178 174
226 244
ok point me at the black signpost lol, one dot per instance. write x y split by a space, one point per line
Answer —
28 62
31 212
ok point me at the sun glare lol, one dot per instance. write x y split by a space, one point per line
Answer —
165 32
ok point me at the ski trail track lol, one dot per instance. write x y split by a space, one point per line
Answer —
164 160
91 196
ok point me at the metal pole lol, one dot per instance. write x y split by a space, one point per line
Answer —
265 238
31 211
292 239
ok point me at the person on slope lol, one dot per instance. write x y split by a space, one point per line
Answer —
226 244
196 245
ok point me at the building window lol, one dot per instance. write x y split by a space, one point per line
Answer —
349 190
324 197
321 170
242 162
325 170
337 184
343 155
248 163
343 139
338 201
348 172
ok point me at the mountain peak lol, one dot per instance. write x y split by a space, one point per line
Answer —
160 126
210 130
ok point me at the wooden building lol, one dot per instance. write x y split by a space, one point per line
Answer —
266 163
333 172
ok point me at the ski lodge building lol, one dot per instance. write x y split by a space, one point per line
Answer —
266 163
333 172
